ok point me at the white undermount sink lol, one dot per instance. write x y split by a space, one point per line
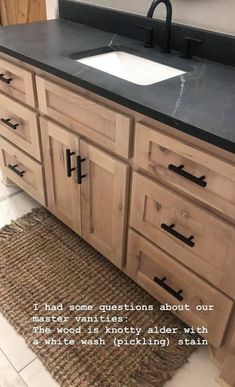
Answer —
130 67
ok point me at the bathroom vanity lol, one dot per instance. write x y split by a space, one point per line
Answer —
118 163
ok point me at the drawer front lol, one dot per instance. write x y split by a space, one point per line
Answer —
200 240
22 170
98 123
169 282
203 176
19 125
17 82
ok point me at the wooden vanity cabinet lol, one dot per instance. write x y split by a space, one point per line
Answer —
96 161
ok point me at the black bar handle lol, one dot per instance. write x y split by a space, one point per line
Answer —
180 171
5 80
14 169
68 162
79 170
170 229
163 284
7 121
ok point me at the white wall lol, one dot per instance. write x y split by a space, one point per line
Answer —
214 15
52 9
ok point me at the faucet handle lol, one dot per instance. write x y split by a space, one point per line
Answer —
187 47
148 36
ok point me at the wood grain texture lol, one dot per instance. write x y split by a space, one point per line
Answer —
212 256
108 128
26 135
104 202
63 192
155 151
32 181
145 262
21 86
22 11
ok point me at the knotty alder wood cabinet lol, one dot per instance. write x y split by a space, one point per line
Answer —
87 189
158 204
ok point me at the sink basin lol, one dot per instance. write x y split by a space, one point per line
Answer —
130 67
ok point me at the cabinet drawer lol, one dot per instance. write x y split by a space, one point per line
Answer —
22 170
19 125
17 82
203 176
200 240
169 282
98 123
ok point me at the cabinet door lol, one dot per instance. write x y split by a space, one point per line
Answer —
63 192
104 202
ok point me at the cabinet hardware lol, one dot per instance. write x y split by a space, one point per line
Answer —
7 121
163 284
68 162
14 169
79 170
180 171
170 229
5 80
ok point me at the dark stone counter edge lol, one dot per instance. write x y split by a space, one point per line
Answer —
174 123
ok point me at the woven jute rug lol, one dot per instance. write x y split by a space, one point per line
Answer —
43 262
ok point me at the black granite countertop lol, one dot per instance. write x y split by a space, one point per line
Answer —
200 102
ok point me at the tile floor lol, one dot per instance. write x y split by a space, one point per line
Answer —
19 367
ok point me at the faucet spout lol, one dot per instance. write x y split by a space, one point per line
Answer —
155 3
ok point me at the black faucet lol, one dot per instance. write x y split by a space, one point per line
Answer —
166 46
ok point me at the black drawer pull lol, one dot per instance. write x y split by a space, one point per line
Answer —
180 171
188 241
163 284
14 169
5 80
79 170
7 121
68 162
